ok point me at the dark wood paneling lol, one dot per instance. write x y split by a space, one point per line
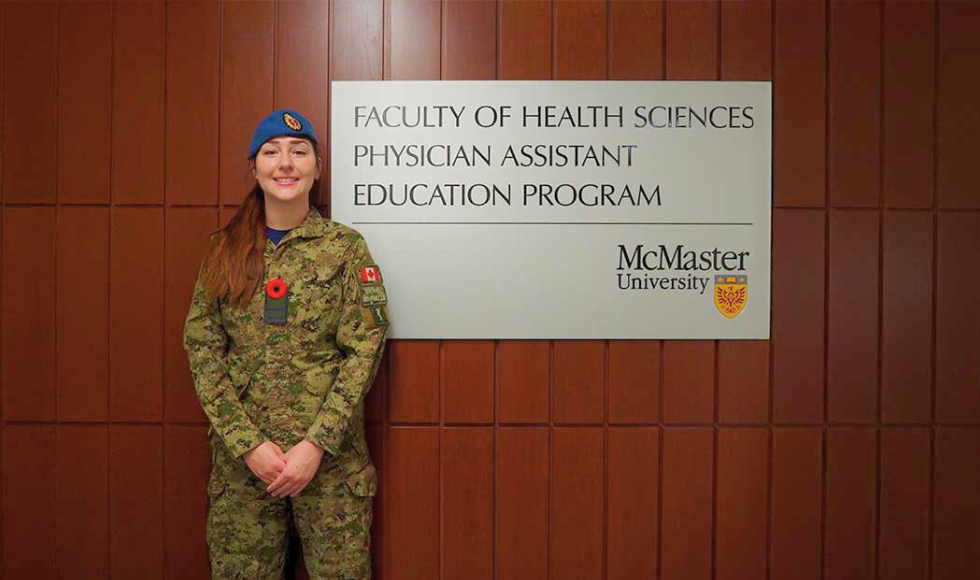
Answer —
136 315
412 535
83 314
798 315
82 502
957 318
796 488
301 70
28 324
580 39
414 381
956 505
356 39
469 40
467 381
84 92
746 40
138 103
689 381
799 106
29 511
636 40
634 381
30 56
186 463
854 168
525 39
742 504
692 40
958 120
909 96
631 503
187 241
577 492
903 545
192 101
413 32
852 348
523 503
743 381
906 326
849 533
246 70
523 381
578 381
467 502
136 502
686 523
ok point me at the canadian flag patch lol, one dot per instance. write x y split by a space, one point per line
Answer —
370 275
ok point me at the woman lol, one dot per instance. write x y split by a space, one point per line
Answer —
284 334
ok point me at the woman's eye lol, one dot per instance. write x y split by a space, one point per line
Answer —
270 153
301 152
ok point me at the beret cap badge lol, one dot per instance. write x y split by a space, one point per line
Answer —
292 122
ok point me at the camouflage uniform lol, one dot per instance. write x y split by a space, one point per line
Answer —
305 379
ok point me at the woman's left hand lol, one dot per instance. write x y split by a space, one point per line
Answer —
302 463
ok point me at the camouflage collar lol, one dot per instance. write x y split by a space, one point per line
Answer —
313 226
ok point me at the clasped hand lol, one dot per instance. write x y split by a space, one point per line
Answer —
286 473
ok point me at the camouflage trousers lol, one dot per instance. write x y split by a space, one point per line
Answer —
247 528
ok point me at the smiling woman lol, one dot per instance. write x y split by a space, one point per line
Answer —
284 336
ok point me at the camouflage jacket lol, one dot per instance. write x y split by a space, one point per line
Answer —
307 378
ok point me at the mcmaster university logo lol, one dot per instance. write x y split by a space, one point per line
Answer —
731 293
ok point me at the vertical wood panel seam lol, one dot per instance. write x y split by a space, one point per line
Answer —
826 294
108 297
882 47
660 455
772 202
163 317
440 429
551 433
3 212
57 217
933 348
221 64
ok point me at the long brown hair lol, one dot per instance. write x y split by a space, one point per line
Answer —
234 264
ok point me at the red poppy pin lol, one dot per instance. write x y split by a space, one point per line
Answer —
276 289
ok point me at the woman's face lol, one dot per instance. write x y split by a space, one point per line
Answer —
286 167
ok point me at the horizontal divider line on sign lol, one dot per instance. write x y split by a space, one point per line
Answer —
357 223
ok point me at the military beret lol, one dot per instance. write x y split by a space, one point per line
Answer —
279 123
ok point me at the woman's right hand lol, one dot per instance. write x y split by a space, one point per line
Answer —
266 461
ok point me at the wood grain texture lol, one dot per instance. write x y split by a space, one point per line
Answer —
908 118
746 40
742 503
632 503
743 381
799 85
577 492
852 351
523 503
526 37
412 546
138 103
136 501
689 381
903 545
467 502
636 41
798 316
193 74
30 518
414 381
907 319
634 381
796 490
467 381
579 389
469 40
687 499
849 533
82 503
82 371
956 505
580 39
523 381
692 40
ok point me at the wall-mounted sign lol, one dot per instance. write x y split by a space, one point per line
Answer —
561 209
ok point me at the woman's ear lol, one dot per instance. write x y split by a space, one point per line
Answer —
319 166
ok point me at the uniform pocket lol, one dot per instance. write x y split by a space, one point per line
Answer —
364 482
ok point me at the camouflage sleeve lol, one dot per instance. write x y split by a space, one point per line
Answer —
361 337
205 341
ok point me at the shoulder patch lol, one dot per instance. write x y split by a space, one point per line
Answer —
370 274
373 295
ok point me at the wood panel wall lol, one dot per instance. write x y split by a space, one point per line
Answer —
845 447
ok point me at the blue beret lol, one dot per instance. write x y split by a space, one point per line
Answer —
277 124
